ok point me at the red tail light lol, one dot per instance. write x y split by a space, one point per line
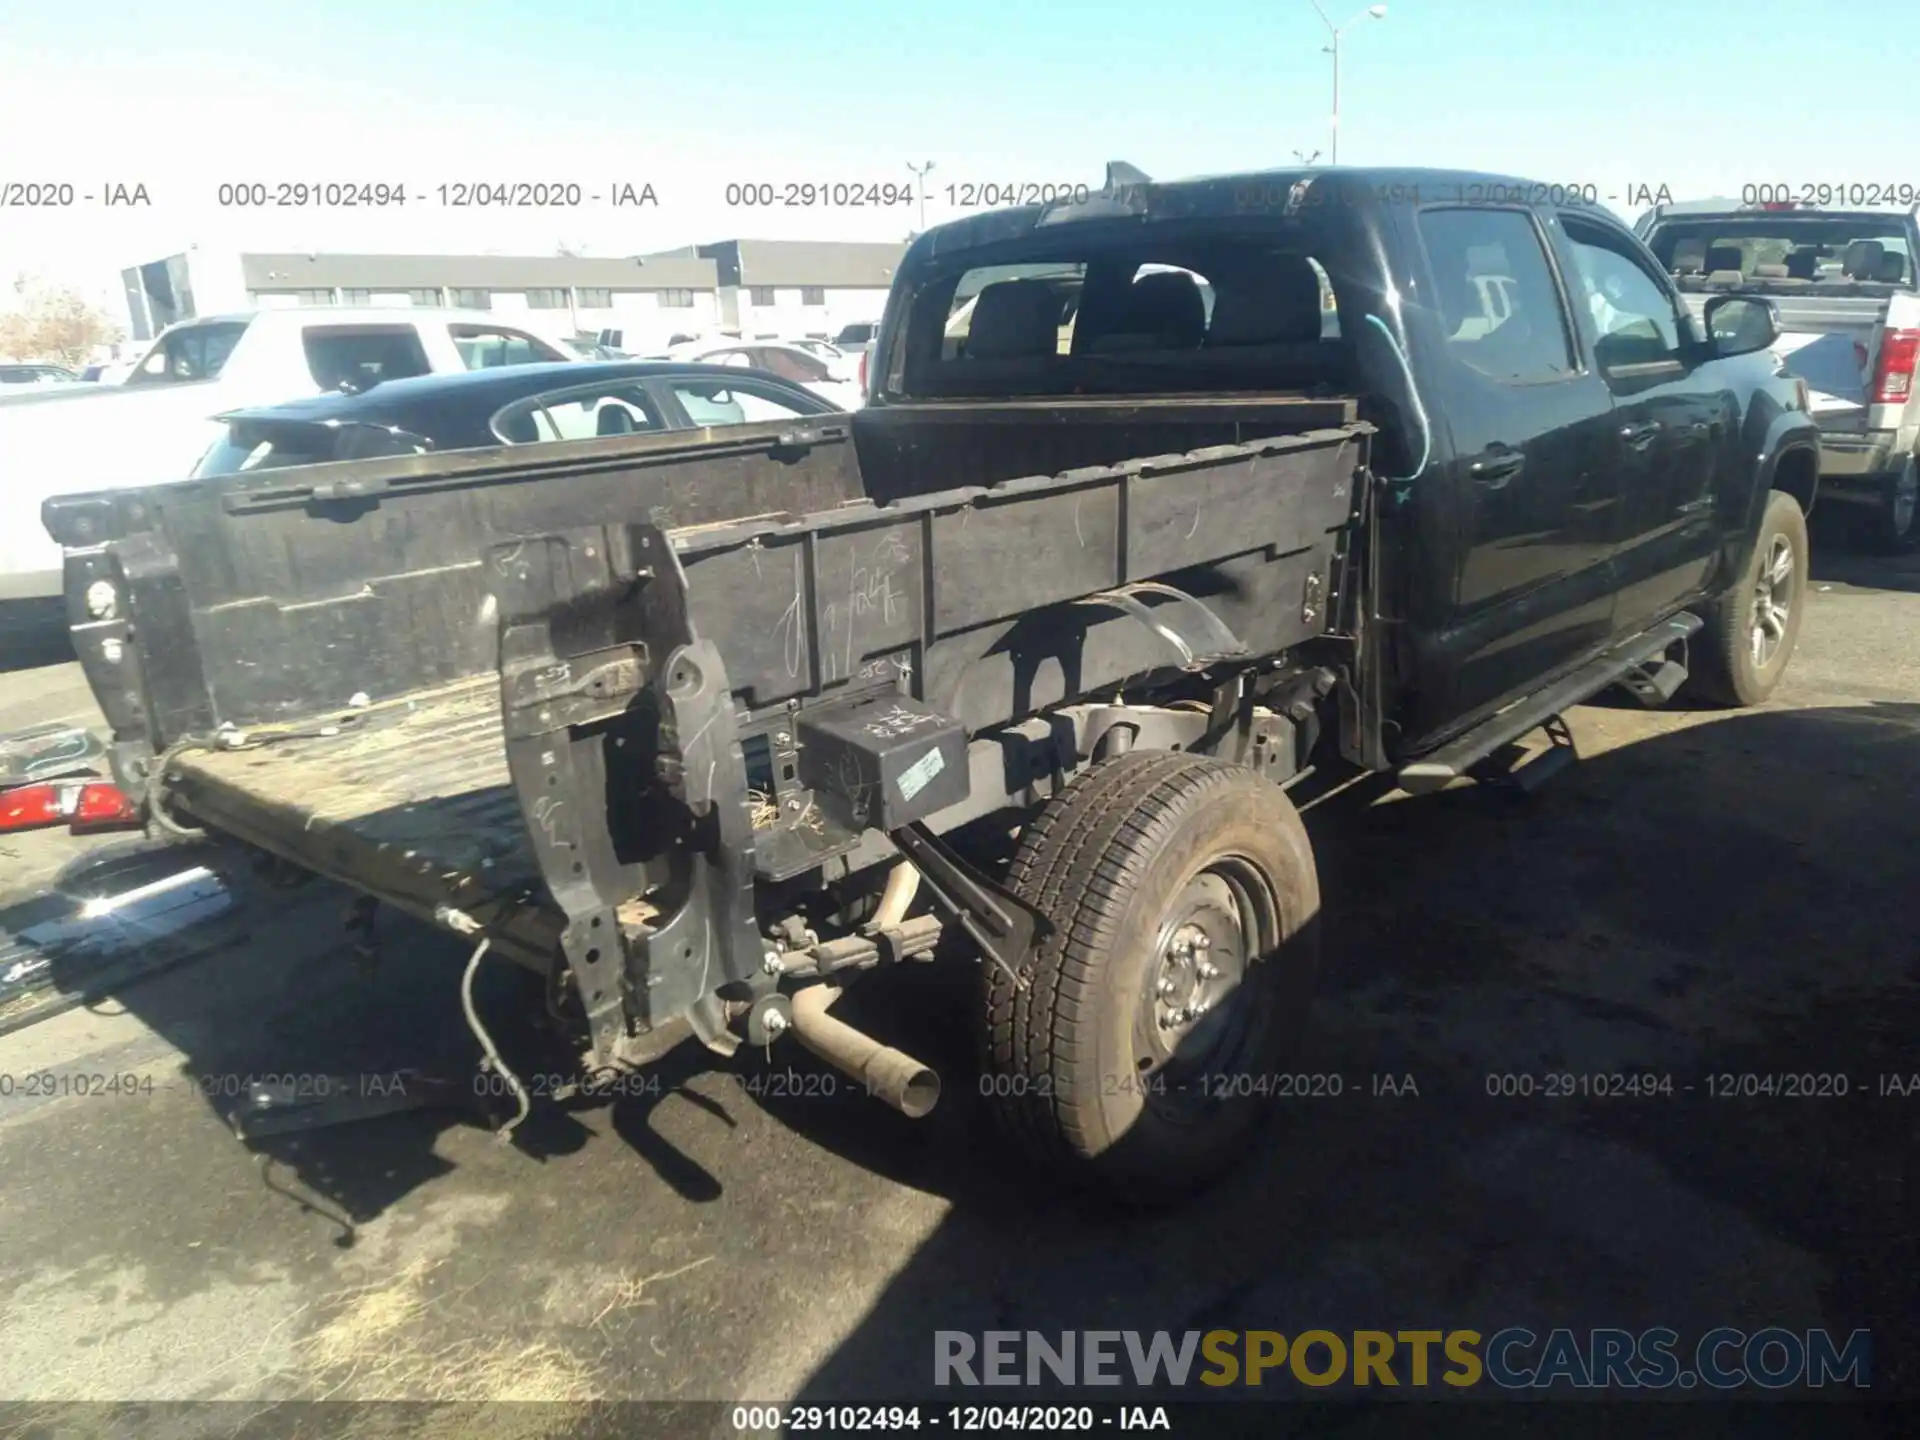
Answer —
1893 375
82 804
30 807
863 370
102 806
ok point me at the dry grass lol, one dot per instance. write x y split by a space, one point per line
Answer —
765 812
381 1345
627 1293
378 1348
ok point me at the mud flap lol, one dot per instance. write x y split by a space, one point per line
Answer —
625 759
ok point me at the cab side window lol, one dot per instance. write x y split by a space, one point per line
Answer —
1634 319
1494 290
198 352
485 347
793 365
733 402
362 356
579 412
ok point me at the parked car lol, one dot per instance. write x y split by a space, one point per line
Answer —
159 422
36 375
1031 656
857 337
821 349
1844 284
110 372
585 348
835 384
524 405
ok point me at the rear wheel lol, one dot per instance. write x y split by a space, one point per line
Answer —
1174 982
1893 525
1743 649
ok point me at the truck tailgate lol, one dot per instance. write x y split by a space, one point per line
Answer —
1822 339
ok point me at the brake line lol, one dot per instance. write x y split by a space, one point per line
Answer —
462 923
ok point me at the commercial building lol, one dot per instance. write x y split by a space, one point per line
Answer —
757 287
799 287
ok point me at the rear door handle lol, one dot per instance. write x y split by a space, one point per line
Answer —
1641 435
1497 468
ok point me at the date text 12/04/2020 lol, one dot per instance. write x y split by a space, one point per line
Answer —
1223 1085
965 1419
1304 193
453 195
1716 1085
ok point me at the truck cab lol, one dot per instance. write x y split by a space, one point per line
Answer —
1575 453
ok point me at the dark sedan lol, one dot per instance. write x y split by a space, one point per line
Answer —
36 375
513 405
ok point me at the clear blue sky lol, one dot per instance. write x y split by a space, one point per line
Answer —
1702 96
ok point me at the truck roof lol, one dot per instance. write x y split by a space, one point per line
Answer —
1224 195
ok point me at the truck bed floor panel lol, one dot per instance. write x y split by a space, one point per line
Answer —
415 792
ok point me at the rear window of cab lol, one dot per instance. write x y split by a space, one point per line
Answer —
1129 310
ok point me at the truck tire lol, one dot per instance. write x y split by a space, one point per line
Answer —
1169 881
1892 527
1743 649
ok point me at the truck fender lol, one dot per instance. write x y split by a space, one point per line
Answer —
1789 461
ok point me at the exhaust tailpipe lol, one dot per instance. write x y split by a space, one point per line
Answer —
890 1075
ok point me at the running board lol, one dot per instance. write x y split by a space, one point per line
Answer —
1453 760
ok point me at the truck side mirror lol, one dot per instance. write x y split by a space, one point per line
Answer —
1740 324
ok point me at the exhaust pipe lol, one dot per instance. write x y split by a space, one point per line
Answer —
889 1074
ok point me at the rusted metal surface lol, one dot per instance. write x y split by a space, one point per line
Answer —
410 800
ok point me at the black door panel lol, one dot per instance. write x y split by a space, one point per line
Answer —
1535 483
1669 412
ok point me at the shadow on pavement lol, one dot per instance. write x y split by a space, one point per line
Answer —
268 988
1737 897
1840 559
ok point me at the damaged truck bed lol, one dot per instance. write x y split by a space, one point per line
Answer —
983 603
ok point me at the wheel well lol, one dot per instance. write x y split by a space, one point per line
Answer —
1797 473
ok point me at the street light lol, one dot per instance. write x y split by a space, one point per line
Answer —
1306 157
920 177
1372 12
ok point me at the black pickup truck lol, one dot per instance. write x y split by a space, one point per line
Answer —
1169 507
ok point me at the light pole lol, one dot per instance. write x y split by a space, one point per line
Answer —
1306 158
920 178
1372 12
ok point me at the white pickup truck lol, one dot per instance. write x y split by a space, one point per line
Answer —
1844 284
158 423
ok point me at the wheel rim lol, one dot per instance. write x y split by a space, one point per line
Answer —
1906 499
1194 1020
1773 601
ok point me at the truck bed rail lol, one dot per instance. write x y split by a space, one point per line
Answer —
637 665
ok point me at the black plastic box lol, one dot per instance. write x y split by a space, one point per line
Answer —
886 761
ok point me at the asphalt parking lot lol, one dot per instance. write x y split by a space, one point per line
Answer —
1706 894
